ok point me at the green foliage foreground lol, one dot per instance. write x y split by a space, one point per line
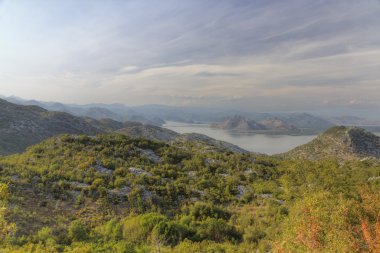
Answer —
111 193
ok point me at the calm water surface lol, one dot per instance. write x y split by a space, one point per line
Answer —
263 143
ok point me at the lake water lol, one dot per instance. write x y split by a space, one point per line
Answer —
262 143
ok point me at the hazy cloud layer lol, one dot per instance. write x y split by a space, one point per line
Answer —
264 55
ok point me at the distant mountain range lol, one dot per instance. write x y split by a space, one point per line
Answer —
339 142
116 112
22 126
354 121
298 123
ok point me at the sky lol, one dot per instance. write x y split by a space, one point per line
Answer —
262 55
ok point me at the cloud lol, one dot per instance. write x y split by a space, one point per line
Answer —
129 69
293 54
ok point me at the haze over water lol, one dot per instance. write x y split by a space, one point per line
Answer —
263 143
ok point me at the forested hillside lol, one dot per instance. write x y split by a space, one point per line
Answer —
114 193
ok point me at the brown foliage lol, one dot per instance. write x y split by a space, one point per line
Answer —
371 235
309 231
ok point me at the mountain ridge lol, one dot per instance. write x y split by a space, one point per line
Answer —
22 126
341 142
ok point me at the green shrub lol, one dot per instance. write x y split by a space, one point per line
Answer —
78 231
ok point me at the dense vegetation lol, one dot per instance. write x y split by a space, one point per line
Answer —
112 193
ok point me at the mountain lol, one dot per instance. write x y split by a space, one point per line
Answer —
158 114
151 121
339 142
239 123
277 124
242 124
117 112
105 125
354 121
305 121
99 113
22 126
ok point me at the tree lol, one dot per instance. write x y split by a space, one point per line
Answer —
6 228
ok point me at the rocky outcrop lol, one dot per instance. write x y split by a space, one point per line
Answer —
363 142
339 142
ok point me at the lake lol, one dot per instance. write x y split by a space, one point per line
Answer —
256 142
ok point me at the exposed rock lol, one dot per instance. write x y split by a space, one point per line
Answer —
122 192
101 169
339 142
200 192
15 178
138 171
248 171
78 185
242 190
209 161
149 154
363 142
145 193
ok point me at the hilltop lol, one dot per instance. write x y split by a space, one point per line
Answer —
340 142
243 124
